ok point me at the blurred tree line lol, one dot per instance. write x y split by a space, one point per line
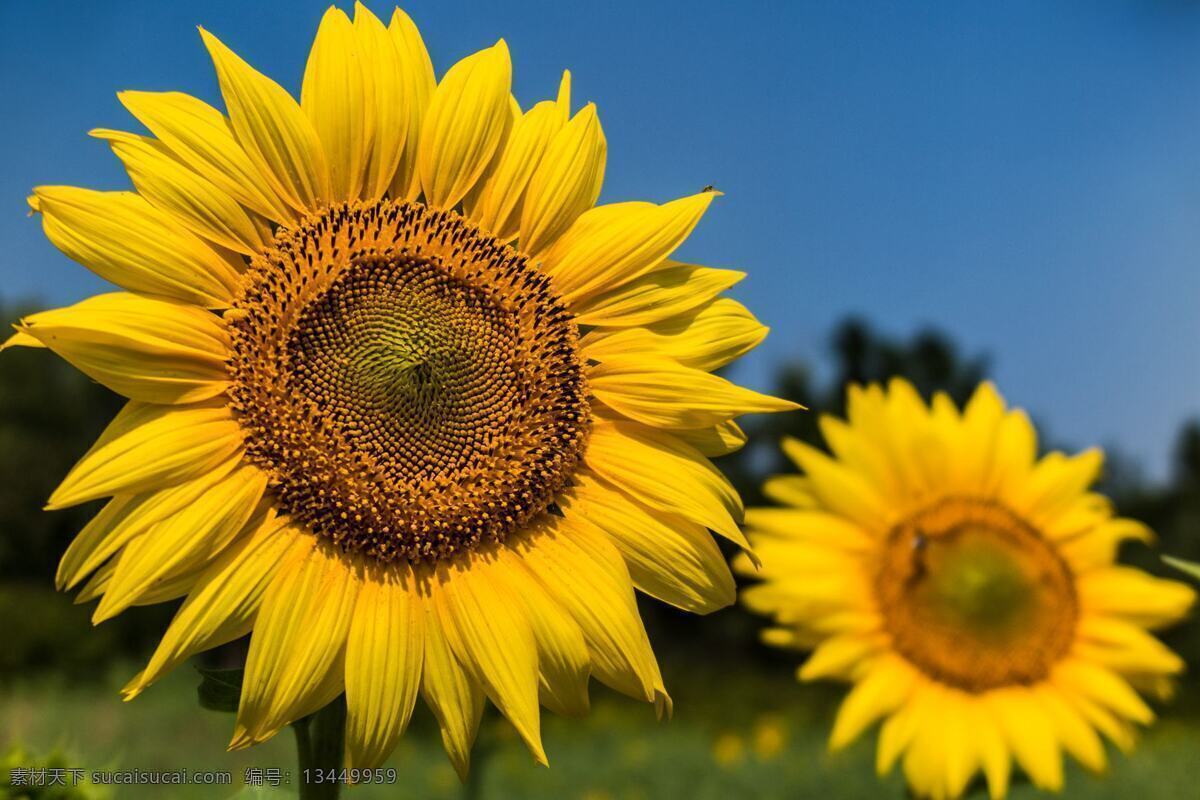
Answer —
50 414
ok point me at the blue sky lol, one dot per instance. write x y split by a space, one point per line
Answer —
1022 175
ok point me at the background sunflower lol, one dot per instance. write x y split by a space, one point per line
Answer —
965 587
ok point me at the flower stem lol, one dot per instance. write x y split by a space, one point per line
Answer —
473 788
320 739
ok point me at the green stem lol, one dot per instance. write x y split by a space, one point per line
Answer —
320 742
473 788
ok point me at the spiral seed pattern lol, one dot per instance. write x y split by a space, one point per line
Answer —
410 384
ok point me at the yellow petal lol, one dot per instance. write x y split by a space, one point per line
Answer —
492 640
127 517
804 526
272 129
564 96
1076 517
224 602
707 338
201 137
124 239
172 581
563 660
863 453
882 691
190 536
1102 686
808 564
898 730
660 392
96 584
156 351
195 201
20 339
1118 730
981 419
1056 482
387 99
670 291
841 657
951 742
454 697
818 600
583 571
715 441
104 535
1135 595
384 654
566 182
500 201
665 474
669 557
839 489
613 244
1013 457
1099 545
930 762
788 638
994 756
465 126
417 84
171 586
1077 736
294 666
338 97
1029 734
150 447
1124 647
790 490
469 205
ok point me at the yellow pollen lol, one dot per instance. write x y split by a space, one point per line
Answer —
411 385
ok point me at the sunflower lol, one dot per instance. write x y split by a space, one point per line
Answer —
404 404
965 587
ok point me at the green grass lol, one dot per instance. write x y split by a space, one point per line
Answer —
749 734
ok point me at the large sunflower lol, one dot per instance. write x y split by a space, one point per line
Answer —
966 587
403 404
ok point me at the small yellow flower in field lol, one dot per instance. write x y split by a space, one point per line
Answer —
965 587
405 404
442 778
636 752
769 737
729 750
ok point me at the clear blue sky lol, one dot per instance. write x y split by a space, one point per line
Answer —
1022 175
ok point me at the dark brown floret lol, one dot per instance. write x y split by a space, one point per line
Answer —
411 384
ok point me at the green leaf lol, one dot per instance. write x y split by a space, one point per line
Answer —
1190 567
219 689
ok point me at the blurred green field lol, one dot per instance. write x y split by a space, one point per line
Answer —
753 733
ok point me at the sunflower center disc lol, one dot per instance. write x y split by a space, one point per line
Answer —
411 385
975 597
